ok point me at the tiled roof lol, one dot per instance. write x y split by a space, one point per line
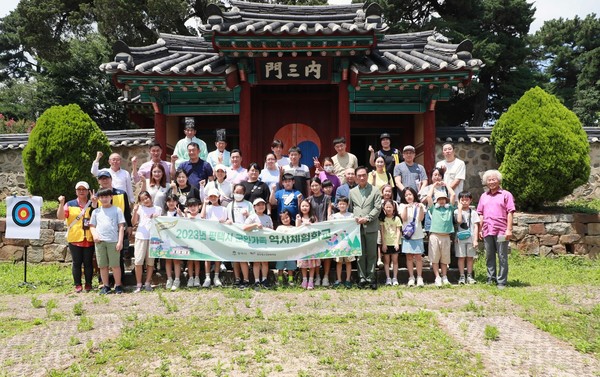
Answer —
482 135
118 138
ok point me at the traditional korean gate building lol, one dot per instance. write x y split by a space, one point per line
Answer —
303 74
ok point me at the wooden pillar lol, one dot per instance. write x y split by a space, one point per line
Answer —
429 140
160 132
249 153
344 112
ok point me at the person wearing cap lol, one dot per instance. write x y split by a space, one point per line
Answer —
408 173
155 150
389 154
77 212
121 179
259 220
219 155
181 152
221 184
442 225
455 168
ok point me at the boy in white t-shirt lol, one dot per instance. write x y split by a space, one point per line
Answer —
465 246
343 203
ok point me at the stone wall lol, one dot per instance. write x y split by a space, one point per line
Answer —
51 247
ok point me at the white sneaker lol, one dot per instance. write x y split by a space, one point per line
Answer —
190 283
317 281
138 289
395 282
379 263
461 280
176 284
148 287
325 281
470 280
438 281
420 282
445 280
169 283
206 283
223 268
388 281
217 282
197 281
411 281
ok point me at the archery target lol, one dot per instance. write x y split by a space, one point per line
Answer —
23 213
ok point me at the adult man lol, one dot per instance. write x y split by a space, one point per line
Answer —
196 168
342 160
365 201
144 170
455 169
408 173
121 179
219 155
236 173
300 171
120 200
496 207
389 154
181 150
344 190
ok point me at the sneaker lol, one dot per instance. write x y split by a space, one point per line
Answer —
420 282
348 284
119 289
325 282
501 286
388 282
148 287
197 281
105 290
257 285
311 285
445 280
169 283
438 281
461 280
237 282
244 284
394 282
304 284
176 284
317 281
190 282
411 281
138 289
470 280
78 288
337 284
206 283
88 287
223 268
217 282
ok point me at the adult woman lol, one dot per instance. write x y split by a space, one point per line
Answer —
221 184
270 174
77 212
380 177
182 189
255 188
389 154
496 207
156 185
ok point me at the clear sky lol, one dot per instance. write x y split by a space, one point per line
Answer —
546 9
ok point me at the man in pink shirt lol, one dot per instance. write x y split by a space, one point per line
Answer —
496 207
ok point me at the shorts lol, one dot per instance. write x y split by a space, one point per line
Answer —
345 259
464 249
289 265
439 248
107 254
390 250
141 253
413 246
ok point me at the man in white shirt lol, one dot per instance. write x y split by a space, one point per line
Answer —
121 179
342 160
300 171
236 173
220 155
190 136
455 169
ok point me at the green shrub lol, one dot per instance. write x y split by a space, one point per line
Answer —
60 151
542 149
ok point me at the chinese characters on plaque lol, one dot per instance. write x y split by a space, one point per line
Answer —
297 69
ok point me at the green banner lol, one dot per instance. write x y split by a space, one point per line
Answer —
197 239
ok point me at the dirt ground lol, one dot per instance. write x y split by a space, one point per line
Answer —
521 350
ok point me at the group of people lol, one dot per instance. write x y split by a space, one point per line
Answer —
394 202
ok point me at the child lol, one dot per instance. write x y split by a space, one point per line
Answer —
108 226
172 210
237 213
307 266
193 212
411 211
343 203
328 188
287 197
212 210
321 208
390 233
465 246
259 220
285 218
387 192
142 217
442 225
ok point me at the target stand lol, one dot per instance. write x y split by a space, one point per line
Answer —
23 214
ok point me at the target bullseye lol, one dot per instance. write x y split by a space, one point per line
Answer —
23 213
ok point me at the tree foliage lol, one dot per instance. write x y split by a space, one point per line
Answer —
60 151
542 149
